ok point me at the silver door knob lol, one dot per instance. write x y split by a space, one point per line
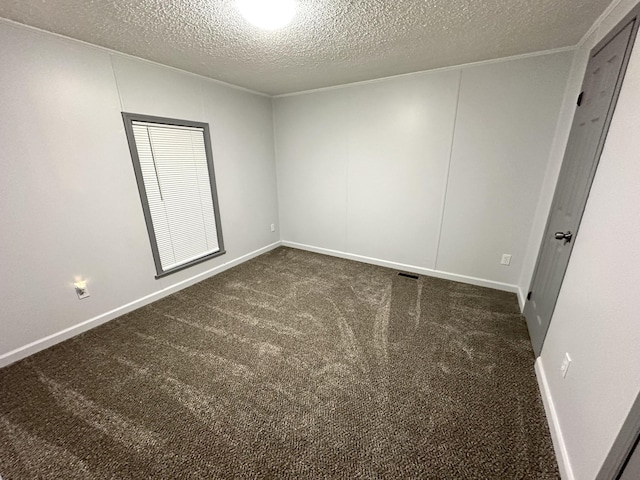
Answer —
563 236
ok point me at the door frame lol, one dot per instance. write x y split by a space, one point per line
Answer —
622 447
632 17
629 434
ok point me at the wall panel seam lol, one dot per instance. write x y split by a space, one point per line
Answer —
446 184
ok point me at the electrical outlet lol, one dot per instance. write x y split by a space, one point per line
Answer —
564 368
273 227
506 259
81 289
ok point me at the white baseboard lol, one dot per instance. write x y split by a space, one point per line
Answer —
407 268
46 342
522 299
564 465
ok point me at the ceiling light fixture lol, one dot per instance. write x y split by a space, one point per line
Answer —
267 14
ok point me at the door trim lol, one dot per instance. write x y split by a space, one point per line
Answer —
631 18
629 434
617 457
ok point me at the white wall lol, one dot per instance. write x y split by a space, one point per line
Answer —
364 170
312 173
596 318
70 205
356 164
504 132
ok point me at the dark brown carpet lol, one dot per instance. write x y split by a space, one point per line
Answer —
292 365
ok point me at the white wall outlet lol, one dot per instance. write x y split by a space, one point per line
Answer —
273 227
506 259
564 368
81 289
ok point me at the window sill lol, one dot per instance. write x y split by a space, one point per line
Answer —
190 264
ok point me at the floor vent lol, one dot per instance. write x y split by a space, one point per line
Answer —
408 275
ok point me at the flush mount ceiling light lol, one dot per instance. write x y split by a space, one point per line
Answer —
267 14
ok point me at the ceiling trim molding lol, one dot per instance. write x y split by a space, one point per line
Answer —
607 11
433 70
111 51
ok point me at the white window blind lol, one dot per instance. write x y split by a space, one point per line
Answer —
177 182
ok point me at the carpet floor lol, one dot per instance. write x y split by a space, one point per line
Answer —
293 365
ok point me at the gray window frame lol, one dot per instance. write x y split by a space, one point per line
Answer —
128 119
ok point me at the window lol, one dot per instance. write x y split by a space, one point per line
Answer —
174 169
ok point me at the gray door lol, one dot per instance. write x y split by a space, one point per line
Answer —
632 468
590 124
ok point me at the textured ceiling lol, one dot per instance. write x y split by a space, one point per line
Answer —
329 42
